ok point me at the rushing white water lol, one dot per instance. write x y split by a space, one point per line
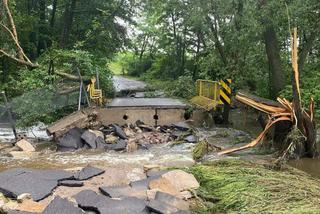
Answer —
37 132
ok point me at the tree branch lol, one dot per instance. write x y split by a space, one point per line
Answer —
22 62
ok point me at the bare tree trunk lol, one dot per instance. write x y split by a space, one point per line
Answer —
42 43
273 53
68 20
307 46
53 13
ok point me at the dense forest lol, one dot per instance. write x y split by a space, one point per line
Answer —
246 40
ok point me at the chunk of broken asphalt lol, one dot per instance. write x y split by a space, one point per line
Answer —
71 140
116 192
90 139
118 130
124 191
90 200
38 183
181 126
119 146
71 183
62 206
88 172
172 200
100 143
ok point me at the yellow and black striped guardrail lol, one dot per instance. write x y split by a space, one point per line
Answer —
225 92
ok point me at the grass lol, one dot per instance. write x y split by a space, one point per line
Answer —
244 187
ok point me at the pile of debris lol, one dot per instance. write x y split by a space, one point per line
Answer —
162 191
125 138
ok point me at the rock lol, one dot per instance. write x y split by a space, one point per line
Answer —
163 185
71 140
181 126
3 200
23 197
90 139
132 146
71 183
97 133
123 191
150 166
118 130
139 123
18 212
128 132
181 180
191 139
146 128
151 194
38 183
156 173
138 130
9 206
25 146
88 172
100 143
63 206
30 206
22 154
111 139
161 208
119 146
172 200
186 195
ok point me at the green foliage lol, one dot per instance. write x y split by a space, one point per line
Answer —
38 90
244 187
182 88
310 87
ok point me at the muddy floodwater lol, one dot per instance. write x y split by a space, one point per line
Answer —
165 155
47 158
311 166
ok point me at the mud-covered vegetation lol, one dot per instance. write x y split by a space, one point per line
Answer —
233 186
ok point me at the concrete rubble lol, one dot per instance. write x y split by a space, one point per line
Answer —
29 188
129 138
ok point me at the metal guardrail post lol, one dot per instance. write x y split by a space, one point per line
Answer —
83 88
8 108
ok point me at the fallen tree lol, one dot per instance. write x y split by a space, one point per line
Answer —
302 121
20 57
